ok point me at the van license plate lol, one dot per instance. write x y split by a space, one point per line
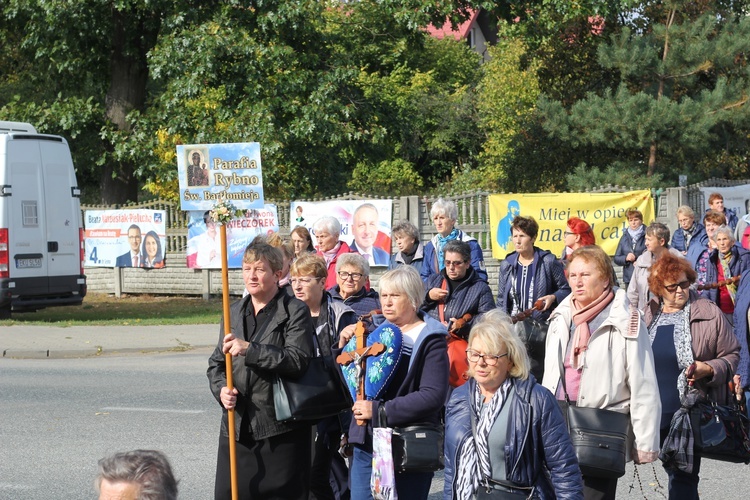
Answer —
28 263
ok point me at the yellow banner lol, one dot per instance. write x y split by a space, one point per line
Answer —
604 211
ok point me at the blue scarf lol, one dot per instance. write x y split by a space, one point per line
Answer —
442 240
634 235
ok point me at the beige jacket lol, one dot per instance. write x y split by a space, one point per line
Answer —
618 372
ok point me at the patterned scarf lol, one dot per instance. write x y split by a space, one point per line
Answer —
634 235
581 318
725 259
330 254
474 456
688 235
442 240
683 343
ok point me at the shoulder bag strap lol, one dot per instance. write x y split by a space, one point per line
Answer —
562 373
441 305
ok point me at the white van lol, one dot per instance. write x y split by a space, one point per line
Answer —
41 231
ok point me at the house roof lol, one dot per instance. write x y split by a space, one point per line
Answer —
459 33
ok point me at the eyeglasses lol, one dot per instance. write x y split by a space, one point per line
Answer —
673 288
354 276
451 263
569 233
490 359
302 281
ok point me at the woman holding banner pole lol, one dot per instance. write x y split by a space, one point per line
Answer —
271 334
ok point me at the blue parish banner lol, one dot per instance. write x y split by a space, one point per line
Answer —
209 173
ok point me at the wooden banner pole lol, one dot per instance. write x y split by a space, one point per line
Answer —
228 362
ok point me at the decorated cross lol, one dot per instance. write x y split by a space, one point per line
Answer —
359 357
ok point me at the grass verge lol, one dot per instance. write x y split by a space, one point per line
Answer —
105 309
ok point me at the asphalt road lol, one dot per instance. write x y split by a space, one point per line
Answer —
59 416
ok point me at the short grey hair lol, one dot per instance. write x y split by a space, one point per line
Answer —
328 223
494 329
355 260
407 229
444 207
686 211
406 280
148 469
659 230
460 247
725 230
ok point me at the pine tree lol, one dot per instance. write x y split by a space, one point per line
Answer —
682 93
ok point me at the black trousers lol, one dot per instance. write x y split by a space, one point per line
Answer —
274 468
329 479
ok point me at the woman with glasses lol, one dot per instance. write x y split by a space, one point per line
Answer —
724 262
692 344
530 273
352 274
578 233
330 318
602 350
503 430
416 391
456 291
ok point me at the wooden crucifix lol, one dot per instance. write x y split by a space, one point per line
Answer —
359 357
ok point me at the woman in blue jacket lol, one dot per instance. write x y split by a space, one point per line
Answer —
530 274
417 390
503 430
632 244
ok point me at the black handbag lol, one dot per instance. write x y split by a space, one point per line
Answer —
721 431
317 394
599 437
533 334
418 448
500 490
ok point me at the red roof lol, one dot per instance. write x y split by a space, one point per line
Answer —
447 30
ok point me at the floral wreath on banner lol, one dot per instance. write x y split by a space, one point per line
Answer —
224 211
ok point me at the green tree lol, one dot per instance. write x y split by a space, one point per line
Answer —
87 61
681 94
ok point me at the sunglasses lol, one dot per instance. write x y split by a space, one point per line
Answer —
673 288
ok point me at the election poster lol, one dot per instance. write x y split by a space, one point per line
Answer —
210 173
204 241
125 238
736 198
365 224
605 212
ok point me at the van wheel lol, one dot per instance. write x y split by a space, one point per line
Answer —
5 312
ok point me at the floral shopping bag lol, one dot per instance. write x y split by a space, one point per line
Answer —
382 479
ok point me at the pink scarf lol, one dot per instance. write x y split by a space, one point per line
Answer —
581 318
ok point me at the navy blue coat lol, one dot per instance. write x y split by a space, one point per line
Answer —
537 440
472 296
739 262
699 238
624 248
549 279
731 217
430 264
362 302
741 305
418 389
